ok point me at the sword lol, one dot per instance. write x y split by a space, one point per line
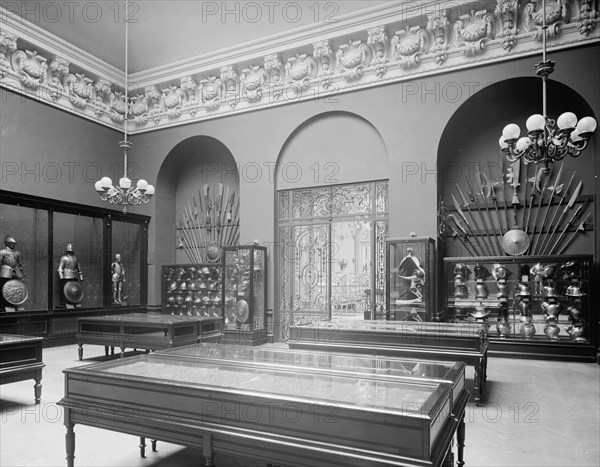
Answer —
466 204
454 232
564 212
544 245
463 215
572 237
573 217
487 210
554 186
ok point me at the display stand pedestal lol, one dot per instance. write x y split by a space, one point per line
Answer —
242 337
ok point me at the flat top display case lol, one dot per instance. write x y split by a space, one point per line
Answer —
193 289
198 402
364 366
410 292
245 287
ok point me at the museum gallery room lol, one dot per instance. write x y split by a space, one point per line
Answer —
299 233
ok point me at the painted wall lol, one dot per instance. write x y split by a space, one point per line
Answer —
410 118
45 152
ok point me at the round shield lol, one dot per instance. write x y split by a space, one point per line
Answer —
515 242
73 291
242 311
15 292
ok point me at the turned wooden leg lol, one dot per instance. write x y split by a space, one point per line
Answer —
106 350
477 382
69 439
122 352
142 446
112 350
207 451
460 441
37 387
80 351
153 445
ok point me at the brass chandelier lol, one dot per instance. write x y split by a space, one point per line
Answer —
547 140
125 193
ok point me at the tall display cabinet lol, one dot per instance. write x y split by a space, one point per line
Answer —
245 294
41 302
411 279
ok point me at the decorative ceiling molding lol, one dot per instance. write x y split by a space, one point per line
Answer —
381 46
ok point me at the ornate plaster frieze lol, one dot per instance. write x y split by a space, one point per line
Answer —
400 47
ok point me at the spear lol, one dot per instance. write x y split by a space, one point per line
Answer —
564 212
504 193
573 217
462 214
537 215
531 198
466 205
479 208
455 234
572 237
556 211
554 187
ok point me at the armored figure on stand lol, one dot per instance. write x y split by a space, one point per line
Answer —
524 306
70 275
14 290
500 273
461 274
552 309
118 276
481 274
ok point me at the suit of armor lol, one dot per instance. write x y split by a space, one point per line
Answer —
10 260
68 266
118 275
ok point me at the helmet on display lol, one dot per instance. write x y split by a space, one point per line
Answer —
9 239
69 248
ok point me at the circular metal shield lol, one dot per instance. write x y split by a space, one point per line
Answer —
15 292
213 253
242 311
515 242
73 291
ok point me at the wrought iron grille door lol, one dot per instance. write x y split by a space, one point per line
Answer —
331 258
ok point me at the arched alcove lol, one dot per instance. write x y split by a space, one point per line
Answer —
470 141
331 148
189 166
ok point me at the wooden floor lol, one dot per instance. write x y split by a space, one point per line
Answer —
535 413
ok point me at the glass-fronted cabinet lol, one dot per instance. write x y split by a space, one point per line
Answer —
533 304
245 294
193 289
62 260
410 263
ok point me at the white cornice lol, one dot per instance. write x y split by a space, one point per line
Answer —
360 51
349 24
31 33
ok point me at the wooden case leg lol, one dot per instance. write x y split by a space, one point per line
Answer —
142 447
37 387
460 442
70 439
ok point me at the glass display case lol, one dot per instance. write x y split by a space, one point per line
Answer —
357 365
193 289
245 294
541 304
44 287
411 280
324 419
